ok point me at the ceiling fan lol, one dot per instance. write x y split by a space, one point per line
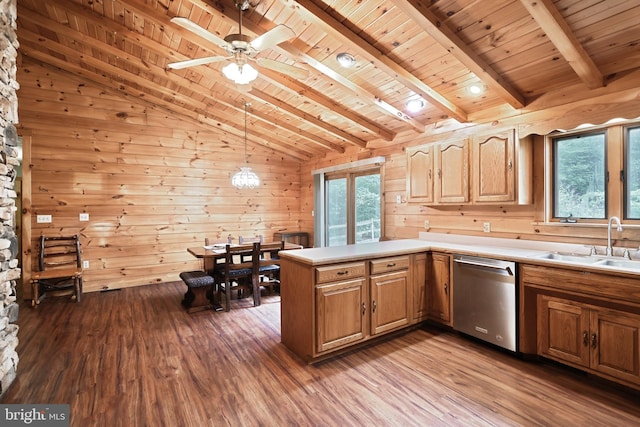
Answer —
241 49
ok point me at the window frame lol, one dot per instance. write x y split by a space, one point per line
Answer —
624 175
555 138
615 152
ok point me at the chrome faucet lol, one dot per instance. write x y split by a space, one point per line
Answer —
609 247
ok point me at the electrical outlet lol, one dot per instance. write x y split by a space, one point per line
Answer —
486 227
84 216
398 199
426 224
43 218
85 263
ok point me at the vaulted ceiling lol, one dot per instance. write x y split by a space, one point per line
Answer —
514 51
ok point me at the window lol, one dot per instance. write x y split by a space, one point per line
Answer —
348 203
353 205
632 173
579 176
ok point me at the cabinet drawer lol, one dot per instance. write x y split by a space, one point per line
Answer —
339 272
389 264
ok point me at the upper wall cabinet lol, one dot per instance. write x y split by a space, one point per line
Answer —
501 168
501 171
438 173
452 175
420 174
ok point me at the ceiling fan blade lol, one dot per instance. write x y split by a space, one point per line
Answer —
282 67
198 30
273 37
193 62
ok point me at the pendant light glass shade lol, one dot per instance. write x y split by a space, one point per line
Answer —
240 75
245 178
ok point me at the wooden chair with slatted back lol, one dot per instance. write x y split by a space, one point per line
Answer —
269 268
240 272
209 264
60 264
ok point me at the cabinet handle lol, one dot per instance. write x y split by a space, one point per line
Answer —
585 338
374 306
594 341
429 173
439 173
391 264
446 288
510 164
342 273
364 308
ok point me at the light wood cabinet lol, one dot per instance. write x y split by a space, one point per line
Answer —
485 169
329 308
587 336
501 168
438 173
340 313
420 174
452 172
390 294
589 320
439 288
420 300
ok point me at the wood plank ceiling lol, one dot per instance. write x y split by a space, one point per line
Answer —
513 50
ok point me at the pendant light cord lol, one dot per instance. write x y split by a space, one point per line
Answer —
246 104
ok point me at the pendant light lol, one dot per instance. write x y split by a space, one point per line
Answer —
245 178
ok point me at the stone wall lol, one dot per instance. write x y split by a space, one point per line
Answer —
9 271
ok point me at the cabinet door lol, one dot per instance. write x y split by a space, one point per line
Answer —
340 313
563 330
389 301
439 285
419 286
494 178
615 344
452 178
420 174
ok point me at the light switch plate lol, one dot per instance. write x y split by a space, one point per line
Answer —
85 263
84 216
486 227
43 219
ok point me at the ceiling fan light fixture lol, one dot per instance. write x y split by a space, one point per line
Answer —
346 60
240 75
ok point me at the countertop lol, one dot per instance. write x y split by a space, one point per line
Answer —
523 251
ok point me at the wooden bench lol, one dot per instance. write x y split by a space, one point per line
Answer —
200 291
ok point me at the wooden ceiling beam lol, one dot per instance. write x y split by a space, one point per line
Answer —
292 85
556 28
419 12
310 11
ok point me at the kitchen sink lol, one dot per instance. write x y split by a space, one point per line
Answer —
620 263
578 258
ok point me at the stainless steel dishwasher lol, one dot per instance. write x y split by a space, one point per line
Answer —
484 299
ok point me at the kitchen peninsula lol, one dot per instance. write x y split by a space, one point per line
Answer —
339 297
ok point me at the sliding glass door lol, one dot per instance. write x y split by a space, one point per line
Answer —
352 207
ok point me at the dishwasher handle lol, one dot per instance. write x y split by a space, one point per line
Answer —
479 263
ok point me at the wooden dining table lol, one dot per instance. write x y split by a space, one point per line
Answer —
211 255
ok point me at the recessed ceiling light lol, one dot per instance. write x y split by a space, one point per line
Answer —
475 89
346 59
415 105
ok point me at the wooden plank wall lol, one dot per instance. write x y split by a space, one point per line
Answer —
153 185
406 220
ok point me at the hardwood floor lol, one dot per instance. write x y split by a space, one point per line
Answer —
135 358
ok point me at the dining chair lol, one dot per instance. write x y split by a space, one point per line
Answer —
239 272
269 268
60 268
210 264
